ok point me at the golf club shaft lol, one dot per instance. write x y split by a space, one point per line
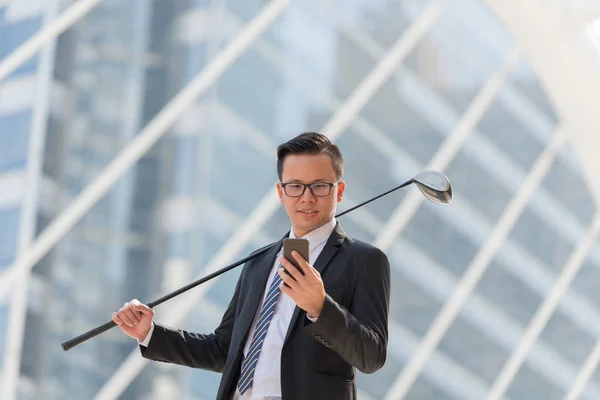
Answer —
375 198
69 344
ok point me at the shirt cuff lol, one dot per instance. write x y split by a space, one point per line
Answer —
311 319
148 336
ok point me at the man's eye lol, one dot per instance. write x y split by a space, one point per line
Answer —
294 186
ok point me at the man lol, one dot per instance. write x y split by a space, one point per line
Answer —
291 335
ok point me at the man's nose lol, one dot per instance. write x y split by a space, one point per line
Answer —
307 195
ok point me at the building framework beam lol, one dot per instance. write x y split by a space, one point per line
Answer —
585 373
50 31
9 382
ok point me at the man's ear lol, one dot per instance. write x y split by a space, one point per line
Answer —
280 192
341 188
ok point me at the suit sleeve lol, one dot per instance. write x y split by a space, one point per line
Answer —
359 335
205 351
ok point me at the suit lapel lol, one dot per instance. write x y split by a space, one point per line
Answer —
329 251
331 248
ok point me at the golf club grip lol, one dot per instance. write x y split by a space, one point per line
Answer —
69 344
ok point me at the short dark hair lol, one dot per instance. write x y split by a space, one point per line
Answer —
311 143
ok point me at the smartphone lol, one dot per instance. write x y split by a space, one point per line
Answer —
300 245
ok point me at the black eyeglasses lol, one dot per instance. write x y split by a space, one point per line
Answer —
318 189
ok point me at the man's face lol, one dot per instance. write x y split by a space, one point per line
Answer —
308 211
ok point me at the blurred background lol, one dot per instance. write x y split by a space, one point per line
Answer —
503 96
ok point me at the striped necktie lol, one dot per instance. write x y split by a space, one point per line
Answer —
262 325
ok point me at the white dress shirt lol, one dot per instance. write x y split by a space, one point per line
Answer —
267 380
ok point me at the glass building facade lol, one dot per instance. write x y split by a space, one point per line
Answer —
169 217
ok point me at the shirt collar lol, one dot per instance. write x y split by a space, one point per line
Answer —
317 236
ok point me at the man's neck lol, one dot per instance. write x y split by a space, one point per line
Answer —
296 232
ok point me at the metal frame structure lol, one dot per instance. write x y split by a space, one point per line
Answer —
18 303
30 255
566 63
405 211
572 54
585 373
335 127
65 20
441 159
556 54
543 313
475 271
157 128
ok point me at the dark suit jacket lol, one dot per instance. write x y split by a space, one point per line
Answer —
317 359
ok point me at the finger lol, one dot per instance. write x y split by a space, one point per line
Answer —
315 273
134 309
131 314
142 308
125 318
286 290
291 269
136 315
301 261
291 282
115 318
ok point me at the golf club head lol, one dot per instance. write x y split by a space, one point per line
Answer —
435 186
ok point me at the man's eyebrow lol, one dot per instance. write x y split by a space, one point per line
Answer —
316 180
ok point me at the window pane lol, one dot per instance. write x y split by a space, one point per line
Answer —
9 223
14 130
13 35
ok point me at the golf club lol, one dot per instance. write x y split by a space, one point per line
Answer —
434 185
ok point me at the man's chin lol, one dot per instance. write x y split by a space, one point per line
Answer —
307 227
